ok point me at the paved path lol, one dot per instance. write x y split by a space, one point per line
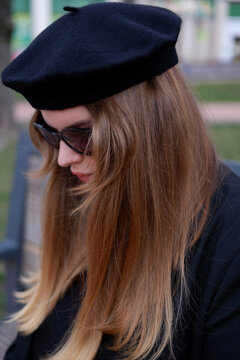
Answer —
221 112
7 335
212 112
207 72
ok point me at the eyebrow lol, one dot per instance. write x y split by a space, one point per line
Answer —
84 124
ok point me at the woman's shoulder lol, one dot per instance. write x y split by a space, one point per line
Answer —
213 274
213 265
220 241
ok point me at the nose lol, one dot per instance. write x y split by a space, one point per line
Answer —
67 156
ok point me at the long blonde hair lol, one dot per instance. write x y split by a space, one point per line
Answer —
129 228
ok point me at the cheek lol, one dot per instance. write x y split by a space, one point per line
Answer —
89 163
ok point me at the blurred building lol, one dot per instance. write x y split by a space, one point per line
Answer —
30 17
210 31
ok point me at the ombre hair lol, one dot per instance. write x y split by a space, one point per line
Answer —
130 228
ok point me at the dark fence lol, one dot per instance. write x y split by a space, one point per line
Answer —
20 247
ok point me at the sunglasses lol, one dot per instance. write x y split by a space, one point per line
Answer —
78 139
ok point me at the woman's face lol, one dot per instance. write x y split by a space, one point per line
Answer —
82 166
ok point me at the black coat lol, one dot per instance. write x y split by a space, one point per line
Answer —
210 325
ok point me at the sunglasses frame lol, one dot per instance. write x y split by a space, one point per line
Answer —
42 127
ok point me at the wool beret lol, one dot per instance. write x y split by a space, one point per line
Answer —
93 52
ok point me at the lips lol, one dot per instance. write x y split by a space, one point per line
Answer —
84 177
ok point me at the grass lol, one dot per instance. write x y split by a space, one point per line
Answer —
7 159
226 138
216 92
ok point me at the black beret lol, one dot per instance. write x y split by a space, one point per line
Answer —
93 52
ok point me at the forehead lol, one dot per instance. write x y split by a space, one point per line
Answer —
60 119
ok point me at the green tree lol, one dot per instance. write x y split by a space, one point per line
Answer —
6 116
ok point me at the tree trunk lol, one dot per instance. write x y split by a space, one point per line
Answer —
6 101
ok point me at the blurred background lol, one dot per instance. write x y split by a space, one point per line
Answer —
209 52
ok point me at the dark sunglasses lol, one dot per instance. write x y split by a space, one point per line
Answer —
78 139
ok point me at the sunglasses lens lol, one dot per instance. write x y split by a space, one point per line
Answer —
79 140
51 138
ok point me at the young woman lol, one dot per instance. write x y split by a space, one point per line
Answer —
141 233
